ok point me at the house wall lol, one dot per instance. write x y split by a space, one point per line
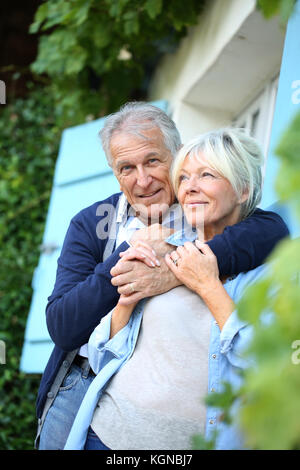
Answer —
220 67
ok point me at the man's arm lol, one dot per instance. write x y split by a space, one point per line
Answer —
246 245
83 292
240 248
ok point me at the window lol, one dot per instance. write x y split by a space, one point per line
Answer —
257 117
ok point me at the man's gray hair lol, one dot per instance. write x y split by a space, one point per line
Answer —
134 117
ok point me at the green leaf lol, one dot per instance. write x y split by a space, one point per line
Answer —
39 17
102 35
131 23
153 8
269 8
200 443
76 62
286 9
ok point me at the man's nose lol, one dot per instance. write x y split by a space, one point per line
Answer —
143 178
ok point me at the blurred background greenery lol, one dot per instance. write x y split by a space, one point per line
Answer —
68 76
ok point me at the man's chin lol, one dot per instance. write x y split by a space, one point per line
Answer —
151 214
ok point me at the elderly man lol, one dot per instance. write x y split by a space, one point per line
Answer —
139 142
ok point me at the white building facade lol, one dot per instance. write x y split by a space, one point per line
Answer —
225 72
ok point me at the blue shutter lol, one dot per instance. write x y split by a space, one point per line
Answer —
287 105
82 177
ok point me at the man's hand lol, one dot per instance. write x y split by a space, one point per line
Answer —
151 234
135 280
154 236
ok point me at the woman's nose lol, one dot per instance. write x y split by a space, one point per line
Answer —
192 185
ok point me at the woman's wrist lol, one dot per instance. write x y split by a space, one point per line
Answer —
120 317
208 290
218 301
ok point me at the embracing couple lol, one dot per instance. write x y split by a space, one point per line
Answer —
143 309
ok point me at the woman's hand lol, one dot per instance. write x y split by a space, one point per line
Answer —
195 266
141 251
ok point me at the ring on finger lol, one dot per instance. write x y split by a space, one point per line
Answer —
132 288
175 261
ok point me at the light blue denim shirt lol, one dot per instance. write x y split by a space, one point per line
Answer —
226 348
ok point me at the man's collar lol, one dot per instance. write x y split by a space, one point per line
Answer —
122 209
179 237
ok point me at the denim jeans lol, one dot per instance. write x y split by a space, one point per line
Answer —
61 414
93 442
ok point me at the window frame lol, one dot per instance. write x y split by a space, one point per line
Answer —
264 104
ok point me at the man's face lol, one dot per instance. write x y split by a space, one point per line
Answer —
142 165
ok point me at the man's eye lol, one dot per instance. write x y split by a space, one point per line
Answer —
126 168
153 160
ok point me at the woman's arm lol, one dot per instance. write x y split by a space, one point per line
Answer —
197 268
218 302
122 313
120 317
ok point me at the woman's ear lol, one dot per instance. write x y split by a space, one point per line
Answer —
244 196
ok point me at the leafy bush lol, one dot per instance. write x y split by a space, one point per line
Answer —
100 53
28 149
271 406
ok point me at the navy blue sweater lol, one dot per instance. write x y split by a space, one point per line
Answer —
83 292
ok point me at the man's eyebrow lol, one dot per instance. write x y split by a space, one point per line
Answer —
146 157
151 154
122 163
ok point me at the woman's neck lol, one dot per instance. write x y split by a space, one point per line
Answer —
206 232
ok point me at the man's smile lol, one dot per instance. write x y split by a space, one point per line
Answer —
150 194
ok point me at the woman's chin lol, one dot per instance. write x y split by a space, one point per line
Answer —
196 222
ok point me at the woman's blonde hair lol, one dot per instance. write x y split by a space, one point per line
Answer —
234 155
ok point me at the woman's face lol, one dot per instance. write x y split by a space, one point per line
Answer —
207 198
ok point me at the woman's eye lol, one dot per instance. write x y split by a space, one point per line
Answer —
206 173
182 178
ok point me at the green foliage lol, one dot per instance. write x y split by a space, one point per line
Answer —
99 53
284 8
269 398
271 407
199 443
288 150
28 149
